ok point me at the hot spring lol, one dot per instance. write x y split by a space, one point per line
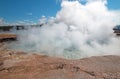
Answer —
78 30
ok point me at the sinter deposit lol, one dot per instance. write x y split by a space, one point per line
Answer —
20 65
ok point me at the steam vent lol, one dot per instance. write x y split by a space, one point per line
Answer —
21 65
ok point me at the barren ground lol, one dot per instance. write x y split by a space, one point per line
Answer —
20 65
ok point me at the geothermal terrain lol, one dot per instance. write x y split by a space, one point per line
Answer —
78 43
16 64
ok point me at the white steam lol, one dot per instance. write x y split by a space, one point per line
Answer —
1 21
77 31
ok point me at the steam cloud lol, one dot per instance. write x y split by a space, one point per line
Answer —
1 21
77 31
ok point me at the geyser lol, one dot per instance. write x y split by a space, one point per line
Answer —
77 31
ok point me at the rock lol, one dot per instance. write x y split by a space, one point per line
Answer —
33 66
7 37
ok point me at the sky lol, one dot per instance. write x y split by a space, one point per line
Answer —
31 10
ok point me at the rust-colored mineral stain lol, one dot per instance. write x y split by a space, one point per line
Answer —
5 36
